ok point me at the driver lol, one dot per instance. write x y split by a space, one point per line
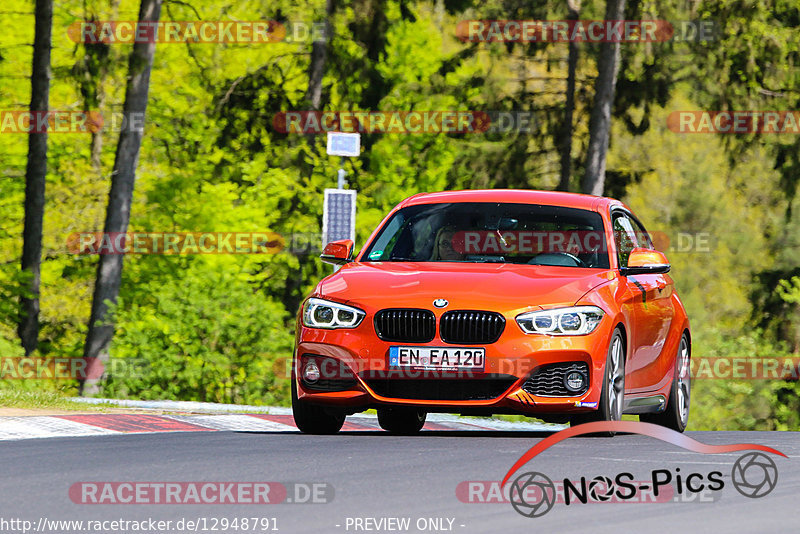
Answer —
443 246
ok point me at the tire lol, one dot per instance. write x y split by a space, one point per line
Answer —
612 396
676 415
311 419
403 421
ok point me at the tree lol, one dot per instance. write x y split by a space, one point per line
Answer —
600 121
90 73
109 268
35 175
565 143
319 56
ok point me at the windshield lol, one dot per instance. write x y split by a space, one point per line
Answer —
480 232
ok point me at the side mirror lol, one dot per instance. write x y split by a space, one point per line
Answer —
645 261
338 252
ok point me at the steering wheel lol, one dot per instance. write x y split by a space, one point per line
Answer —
557 259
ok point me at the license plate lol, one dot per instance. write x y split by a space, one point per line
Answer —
448 358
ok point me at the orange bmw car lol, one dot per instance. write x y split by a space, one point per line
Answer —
547 304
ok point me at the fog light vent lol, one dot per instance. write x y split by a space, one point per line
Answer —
564 379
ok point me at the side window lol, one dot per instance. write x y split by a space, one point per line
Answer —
384 245
642 237
625 237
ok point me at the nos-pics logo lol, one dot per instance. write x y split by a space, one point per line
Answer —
533 494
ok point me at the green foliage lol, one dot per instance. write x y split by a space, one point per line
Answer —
704 209
206 336
738 404
789 290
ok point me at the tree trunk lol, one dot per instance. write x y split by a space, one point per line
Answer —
35 175
565 144
109 268
97 57
97 151
600 121
319 56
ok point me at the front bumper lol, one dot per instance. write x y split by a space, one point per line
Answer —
364 358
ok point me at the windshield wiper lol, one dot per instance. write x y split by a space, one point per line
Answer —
486 259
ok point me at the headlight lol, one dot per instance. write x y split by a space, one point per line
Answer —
575 321
318 313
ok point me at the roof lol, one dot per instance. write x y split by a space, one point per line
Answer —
519 196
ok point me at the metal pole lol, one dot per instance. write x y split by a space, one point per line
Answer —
342 173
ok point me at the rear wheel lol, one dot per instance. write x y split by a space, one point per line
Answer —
401 420
312 419
676 414
612 395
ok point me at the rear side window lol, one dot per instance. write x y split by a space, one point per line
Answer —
642 237
625 237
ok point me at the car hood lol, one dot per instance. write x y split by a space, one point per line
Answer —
488 286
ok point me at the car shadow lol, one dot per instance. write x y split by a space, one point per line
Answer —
422 434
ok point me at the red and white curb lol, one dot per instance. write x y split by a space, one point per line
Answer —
279 420
14 428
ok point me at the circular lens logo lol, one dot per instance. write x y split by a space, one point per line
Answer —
601 489
754 475
532 494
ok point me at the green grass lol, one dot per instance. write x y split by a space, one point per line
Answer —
22 395
32 399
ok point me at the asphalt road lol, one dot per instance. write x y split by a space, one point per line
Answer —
375 475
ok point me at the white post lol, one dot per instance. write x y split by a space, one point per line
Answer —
340 182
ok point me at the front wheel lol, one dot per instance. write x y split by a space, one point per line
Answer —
676 414
403 421
311 419
612 395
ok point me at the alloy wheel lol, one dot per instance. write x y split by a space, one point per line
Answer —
684 386
616 381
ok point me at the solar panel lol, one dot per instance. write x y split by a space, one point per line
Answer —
344 144
339 215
